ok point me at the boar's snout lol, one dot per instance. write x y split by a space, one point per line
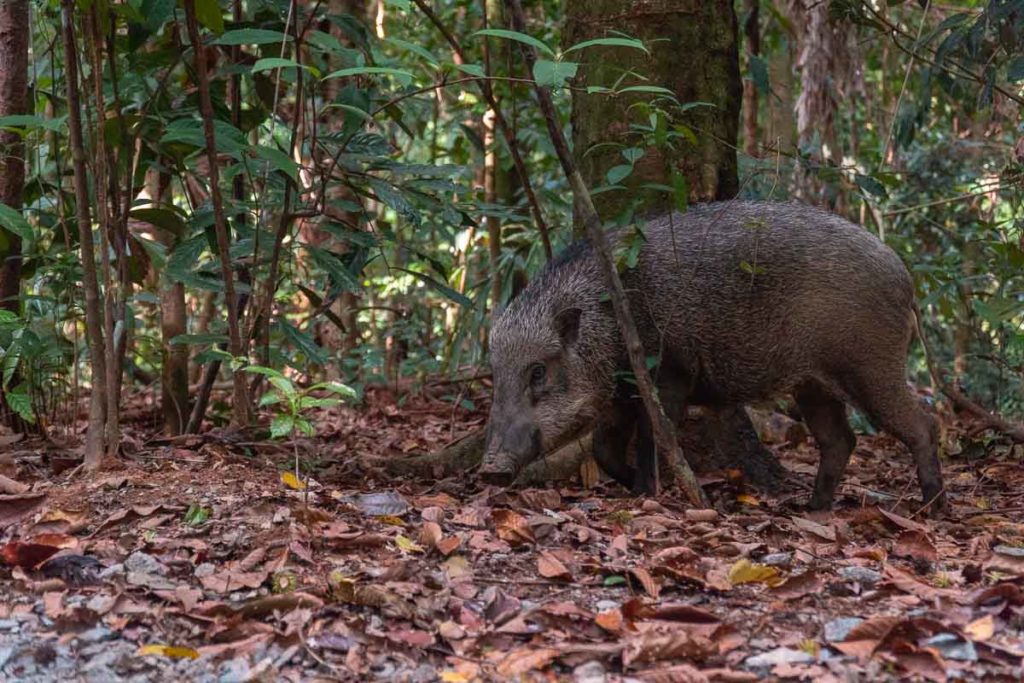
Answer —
510 446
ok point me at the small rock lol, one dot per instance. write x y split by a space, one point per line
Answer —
780 655
952 646
8 624
778 559
111 571
837 629
605 605
144 564
868 577
6 653
204 569
95 634
589 672
234 670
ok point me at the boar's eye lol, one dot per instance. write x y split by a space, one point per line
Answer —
538 371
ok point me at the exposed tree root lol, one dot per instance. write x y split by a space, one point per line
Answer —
710 440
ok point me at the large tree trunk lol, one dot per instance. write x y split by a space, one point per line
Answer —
14 39
694 53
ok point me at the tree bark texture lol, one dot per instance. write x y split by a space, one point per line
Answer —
14 37
693 53
94 439
752 35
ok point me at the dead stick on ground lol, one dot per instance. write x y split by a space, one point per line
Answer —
670 456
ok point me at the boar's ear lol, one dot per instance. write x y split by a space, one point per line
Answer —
567 325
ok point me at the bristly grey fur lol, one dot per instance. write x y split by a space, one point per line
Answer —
740 301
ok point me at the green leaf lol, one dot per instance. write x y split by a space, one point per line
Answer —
196 339
314 402
415 49
270 399
189 131
271 63
516 36
609 42
474 70
252 36
261 370
553 74
759 73
281 425
335 388
1015 72
648 89
340 276
278 160
614 580
196 515
209 14
12 221
165 218
617 174
440 287
369 71
284 385
870 185
21 403
31 121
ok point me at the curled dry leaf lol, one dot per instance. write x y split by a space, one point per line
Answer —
646 580
525 659
818 531
17 507
511 527
652 646
798 586
610 620
169 651
981 629
229 581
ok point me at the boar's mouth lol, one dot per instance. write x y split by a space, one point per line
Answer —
500 467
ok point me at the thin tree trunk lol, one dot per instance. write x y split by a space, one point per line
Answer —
240 402
752 33
670 458
95 438
14 39
490 9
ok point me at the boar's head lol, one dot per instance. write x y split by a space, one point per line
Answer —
551 358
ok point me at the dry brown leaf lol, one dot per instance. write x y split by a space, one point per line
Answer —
448 545
652 646
550 567
903 522
862 641
610 620
431 534
798 586
511 527
15 508
917 545
820 531
526 659
908 583
228 581
646 580
981 629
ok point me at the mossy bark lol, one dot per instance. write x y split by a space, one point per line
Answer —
692 50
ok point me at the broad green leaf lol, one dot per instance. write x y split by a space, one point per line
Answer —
209 14
516 36
31 121
252 36
278 160
368 71
553 74
474 70
314 402
440 287
415 49
163 217
189 131
12 221
281 425
270 399
335 388
261 370
284 385
21 403
616 174
337 272
193 339
271 63
609 42
870 185
648 89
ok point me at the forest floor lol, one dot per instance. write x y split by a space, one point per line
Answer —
199 559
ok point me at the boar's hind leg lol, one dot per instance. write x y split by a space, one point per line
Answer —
892 406
612 435
825 416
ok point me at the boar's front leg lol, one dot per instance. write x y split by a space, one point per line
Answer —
612 434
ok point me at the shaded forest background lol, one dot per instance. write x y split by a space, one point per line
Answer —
334 194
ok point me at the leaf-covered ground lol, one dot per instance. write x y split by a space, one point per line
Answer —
198 560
